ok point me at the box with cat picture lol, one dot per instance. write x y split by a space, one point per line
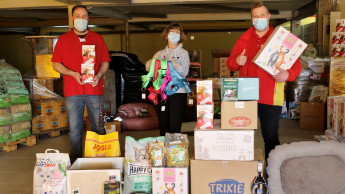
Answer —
169 180
281 49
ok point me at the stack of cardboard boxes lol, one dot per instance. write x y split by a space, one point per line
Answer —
225 160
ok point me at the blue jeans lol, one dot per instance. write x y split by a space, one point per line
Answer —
75 110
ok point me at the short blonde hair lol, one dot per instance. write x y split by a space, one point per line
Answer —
174 26
257 4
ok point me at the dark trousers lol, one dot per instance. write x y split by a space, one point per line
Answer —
171 119
269 118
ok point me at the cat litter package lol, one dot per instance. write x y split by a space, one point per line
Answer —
50 172
176 145
137 165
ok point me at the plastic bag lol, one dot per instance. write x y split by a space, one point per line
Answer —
156 151
176 145
50 172
102 145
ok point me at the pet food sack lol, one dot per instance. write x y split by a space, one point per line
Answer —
102 145
137 164
50 172
176 145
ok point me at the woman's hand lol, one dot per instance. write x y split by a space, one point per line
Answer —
173 62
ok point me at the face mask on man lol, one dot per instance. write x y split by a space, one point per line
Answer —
173 37
80 24
260 23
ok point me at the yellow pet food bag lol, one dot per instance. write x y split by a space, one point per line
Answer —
102 145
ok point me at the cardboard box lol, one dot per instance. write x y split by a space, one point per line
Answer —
218 144
341 118
217 54
42 107
59 106
333 111
281 49
240 89
170 180
88 175
224 70
205 116
204 92
112 126
39 123
63 118
312 116
239 115
215 176
53 122
44 66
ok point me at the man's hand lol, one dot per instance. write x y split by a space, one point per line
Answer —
241 59
282 76
77 77
95 83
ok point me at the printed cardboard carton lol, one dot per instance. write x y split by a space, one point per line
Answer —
170 180
281 49
204 92
239 115
205 116
88 64
240 89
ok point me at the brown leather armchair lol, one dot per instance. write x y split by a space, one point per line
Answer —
138 116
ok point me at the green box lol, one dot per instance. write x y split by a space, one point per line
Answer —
229 89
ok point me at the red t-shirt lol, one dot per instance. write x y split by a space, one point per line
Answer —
68 51
271 91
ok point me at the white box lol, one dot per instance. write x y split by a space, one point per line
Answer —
88 175
169 180
219 144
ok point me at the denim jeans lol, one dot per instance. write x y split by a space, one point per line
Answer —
75 110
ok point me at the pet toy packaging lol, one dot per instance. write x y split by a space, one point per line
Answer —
205 114
170 180
88 63
338 44
50 172
204 92
240 89
340 25
281 49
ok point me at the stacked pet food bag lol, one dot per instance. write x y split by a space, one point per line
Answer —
157 164
224 149
15 108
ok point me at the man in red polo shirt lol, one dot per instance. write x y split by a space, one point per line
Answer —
67 59
271 95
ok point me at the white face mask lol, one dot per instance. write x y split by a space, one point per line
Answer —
80 24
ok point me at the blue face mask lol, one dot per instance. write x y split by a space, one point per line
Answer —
173 37
260 23
80 24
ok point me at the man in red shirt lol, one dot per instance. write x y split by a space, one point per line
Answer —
68 56
271 95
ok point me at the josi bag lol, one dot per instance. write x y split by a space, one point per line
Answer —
102 145
50 172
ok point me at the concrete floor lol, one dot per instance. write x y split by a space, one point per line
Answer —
16 168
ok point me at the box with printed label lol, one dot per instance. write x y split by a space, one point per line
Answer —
53 122
239 115
240 89
281 49
170 180
218 144
224 70
341 118
205 116
39 123
333 112
224 176
112 126
204 92
63 118
42 107
88 64
88 175
59 106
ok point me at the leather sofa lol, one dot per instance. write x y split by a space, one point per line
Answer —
138 116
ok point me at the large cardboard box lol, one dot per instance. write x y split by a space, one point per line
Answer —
215 176
112 126
59 106
217 54
239 115
42 107
218 144
312 116
53 122
88 175
281 49
39 123
170 180
44 66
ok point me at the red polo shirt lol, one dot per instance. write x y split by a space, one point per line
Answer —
271 91
68 51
